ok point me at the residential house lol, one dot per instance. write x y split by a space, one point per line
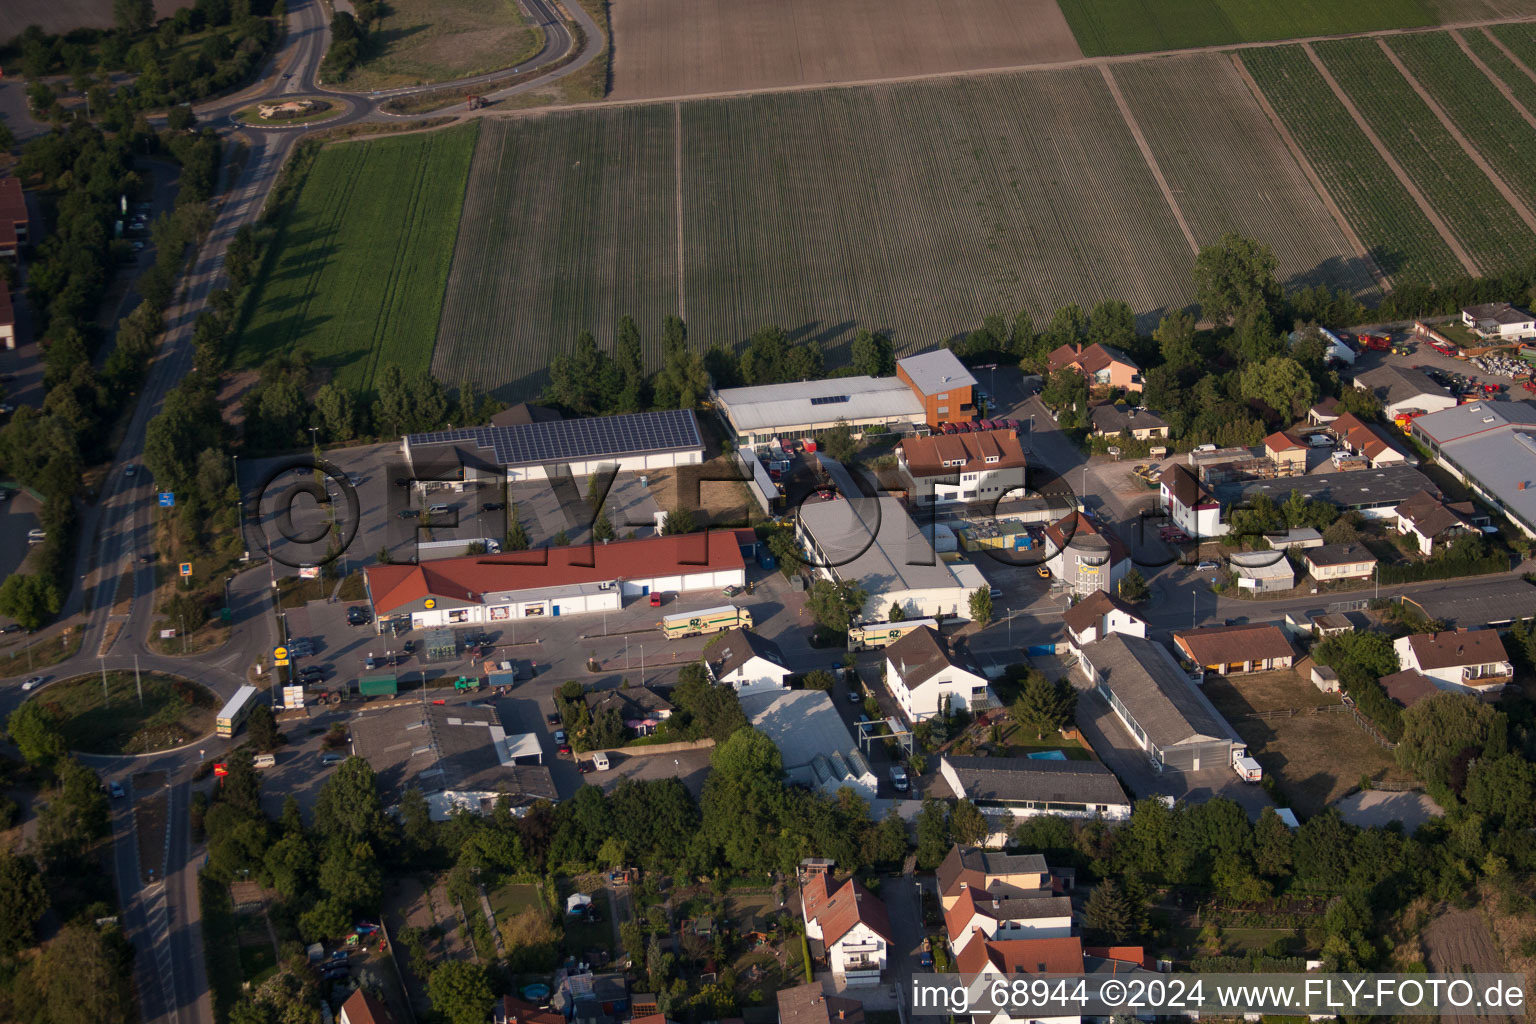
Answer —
1007 960
1368 441
1288 454
747 662
925 675
1098 615
7 318
1324 412
641 709
976 915
849 922
362 1008
1192 508
809 1004
1102 365
1428 520
1262 571
1121 420
1499 321
1085 557
1340 562
1401 389
1164 712
512 1010
1009 789
941 383
1465 660
1299 538
1409 686
945 468
1240 648
993 872
14 220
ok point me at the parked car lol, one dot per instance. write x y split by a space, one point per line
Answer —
655 599
357 616
562 745
410 647
553 718
493 506
408 513
116 789
1207 567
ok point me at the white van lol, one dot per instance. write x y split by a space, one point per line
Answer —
437 510
600 761
265 760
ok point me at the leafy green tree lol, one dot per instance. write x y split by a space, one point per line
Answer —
1280 383
1133 587
29 599
261 728
967 825
416 828
1233 274
981 605
1112 323
817 679
517 536
629 360
872 354
133 16
1504 790
1323 850
933 839
36 733
1108 915
887 843
1175 337
461 991
682 381
1067 327
897 613
348 808
834 605
338 411
1440 729
713 710
838 442
678 520
602 525
784 548
25 901
1042 706
1066 389
83 974
1022 339
1271 845
743 803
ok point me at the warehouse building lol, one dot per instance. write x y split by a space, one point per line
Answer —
1491 446
1374 493
557 448
492 589
1156 702
814 744
1490 603
460 757
1015 788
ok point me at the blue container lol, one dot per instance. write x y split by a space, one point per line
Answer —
766 560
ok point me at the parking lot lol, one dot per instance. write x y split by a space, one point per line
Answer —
18 517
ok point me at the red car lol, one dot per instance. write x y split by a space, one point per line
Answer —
655 599
964 426
986 425
950 428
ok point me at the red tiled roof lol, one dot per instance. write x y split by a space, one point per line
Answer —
1218 645
469 579
517 1011
1023 956
7 313
1091 359
839 911
362 1008
925 456
1074 527
1360 437
13 207
1279 441
1124 954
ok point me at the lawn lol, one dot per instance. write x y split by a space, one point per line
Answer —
1017 743
512 899
1136 26
1314 758
356 271
580 935
173 712
416 42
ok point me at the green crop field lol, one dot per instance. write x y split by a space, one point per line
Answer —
1482 221
1521 40
1139 26
1476 106
358 266
1394 230
570 223
1507 71
1231 171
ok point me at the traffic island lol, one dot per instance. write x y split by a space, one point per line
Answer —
113 718
292 112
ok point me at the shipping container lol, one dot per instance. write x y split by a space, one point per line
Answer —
378 686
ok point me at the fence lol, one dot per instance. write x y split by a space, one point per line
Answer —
1293 712
1368 725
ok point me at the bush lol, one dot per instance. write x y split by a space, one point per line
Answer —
817 679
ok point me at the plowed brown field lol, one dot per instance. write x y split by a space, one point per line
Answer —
693 47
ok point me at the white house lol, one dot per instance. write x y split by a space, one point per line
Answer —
924 676
1499 320
850 922
747 662
1007 961
1463 660
1085 558
1098 615
1428 520
942 468
1402 389
979 915
1009 789
1191 507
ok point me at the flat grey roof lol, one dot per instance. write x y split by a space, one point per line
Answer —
447 748
1156 692
937 371
524 444
874 542
1487 603
803 723
1355 488
1021 778
767 407
1504 465
1466 420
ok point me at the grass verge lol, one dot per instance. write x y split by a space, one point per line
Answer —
173 712
221 952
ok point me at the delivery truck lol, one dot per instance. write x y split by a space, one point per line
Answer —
864 636
705 620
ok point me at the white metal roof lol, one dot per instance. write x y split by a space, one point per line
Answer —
875 543
1465 420
937 371
1504 464
803 723
768 407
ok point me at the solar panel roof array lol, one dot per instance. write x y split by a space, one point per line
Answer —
567 440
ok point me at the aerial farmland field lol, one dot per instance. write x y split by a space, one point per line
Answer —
1513 76
1230 171
666 48
1400 239
1478 215
356 272
1493 125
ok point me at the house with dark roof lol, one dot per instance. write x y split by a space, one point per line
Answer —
490 590
1159 706
925 674
1103 365
1430 521
809 1004
1009 789
1499 321
1098 615
1463 660
1192 508
1085 556
7 319
1340 562
976 915
992 872
1324 412
1409 686
747 662
14 220
1120 419
1401 389
979 466
640 708
1249 647
848 921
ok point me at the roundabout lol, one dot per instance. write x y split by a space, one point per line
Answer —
123 713
291 112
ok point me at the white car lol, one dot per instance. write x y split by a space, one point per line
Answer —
32 684
1207 567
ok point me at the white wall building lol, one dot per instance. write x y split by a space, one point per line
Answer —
849 921
1464 660
979 916
746 662
925 677
1499 320
1097 616
1192 508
